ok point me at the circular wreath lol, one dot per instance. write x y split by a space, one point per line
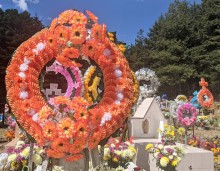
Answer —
186 114
68 126
205 98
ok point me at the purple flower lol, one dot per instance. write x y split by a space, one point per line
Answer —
19 158
10 150
170 150
160 156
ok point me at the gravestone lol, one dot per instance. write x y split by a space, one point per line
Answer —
146 120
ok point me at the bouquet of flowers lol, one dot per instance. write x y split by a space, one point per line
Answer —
118 153
170 135
18 156
167 157
202 121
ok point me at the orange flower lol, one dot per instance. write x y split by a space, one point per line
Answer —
74 157
60 145
44 114
89 48
66 128
70 53
67 62
77 146
82 129
54 23
49 131
62 34
78 18
97 32
78 34
52 39
65 16
94 139
55 154
96 117
92 16
81 113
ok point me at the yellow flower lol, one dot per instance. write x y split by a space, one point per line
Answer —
174 163
121 47
115 159
132 149
149 146
164 161
181 130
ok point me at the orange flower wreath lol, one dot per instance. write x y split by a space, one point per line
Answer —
68 126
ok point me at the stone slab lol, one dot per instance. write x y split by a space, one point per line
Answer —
198 159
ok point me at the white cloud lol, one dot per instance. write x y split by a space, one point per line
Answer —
22 4
0 5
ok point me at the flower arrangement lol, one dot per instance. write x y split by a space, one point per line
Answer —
167 157
72 36
118 153
186 114
170 135
202 121
18 156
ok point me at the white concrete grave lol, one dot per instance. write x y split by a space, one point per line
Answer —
195 159
146 120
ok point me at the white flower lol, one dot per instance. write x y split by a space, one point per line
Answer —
40 46
37 159
112 145
19 144
23 67
170 157
22 74
26 61
118 152
156 154
35 117
174 154
31 112
160 146
106 117
107 52
118 73
25 153
24 95
106 151
12 158
117 102
127 154
58 168
120 96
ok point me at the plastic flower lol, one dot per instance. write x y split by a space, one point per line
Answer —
149 146
92 16
62 34
78 18
77 146
97 32
66 128
82 129
60 144
164 161
37 159
89 48
78 34
50 131
70 53
55 154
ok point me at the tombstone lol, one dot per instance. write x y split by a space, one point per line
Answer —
146 120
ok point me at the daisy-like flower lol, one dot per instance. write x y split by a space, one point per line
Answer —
70 53
97 32
78 18
50 131
60 145
44 114
65 16
66 128
96 117
82 129
89 48
81 113
62 33
77 146
78 34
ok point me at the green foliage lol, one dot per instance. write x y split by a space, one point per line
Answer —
182 46
15 28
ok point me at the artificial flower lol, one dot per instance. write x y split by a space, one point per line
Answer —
66 128
50 131
78 34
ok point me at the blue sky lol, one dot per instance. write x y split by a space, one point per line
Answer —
126 17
